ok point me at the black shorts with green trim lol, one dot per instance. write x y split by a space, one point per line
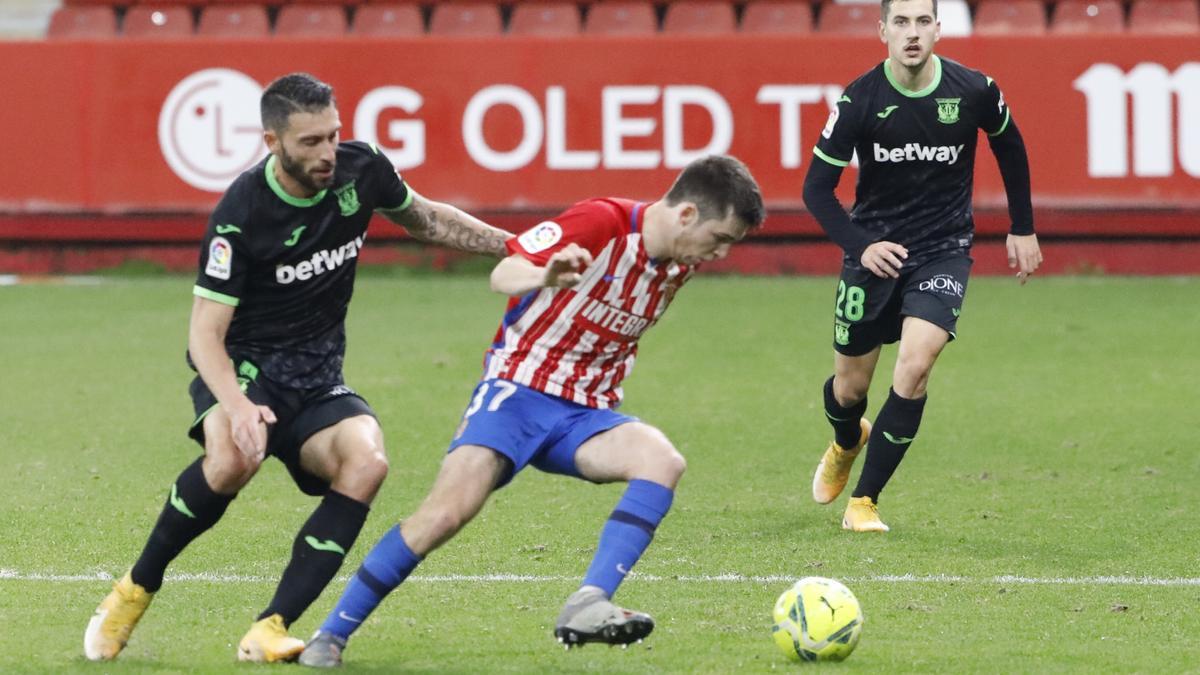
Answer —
870 310
299 414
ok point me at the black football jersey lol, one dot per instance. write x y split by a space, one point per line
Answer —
287 264
916 154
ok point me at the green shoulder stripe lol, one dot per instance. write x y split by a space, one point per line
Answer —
408 200
831 160
202 292
1002 126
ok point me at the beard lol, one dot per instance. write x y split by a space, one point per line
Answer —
298 173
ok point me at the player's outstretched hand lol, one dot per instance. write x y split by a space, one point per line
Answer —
564 269
884 258
248 425
1024 254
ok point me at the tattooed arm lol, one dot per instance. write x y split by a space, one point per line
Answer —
439 223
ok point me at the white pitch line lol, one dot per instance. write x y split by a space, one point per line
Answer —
212 577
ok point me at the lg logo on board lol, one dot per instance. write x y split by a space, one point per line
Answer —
209 128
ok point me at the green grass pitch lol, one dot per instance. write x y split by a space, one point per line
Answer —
1040 524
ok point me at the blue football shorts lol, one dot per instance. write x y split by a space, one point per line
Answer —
527 426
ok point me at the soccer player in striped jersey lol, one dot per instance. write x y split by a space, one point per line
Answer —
914 121
584 287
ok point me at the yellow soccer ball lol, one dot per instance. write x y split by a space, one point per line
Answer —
817 619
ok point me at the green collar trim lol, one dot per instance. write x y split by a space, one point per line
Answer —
937 79
282 194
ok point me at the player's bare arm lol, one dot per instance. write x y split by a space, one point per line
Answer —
884 258
1024 254
440 223
206 344
515 275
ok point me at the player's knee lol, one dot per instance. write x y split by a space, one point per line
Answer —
910 383
849 391
361 473
662 463
441 524
368 458
362 458
377 465
372 468
912 372
228 470
673 466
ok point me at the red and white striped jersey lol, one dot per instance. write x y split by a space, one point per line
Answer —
580 343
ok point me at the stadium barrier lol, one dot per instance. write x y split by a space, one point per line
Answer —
147 134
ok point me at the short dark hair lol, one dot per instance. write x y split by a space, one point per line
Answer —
885 6
297 92
719 185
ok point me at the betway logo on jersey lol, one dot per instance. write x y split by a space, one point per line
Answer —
612 323
320 263
912 152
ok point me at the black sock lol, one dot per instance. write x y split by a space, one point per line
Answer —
845 421
317 554
191 508
895 428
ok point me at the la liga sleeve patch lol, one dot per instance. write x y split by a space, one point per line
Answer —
827 132
540 237
220 258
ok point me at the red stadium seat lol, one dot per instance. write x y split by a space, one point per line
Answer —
621 17
82 23
1088 16
389 21
777 16
224 21
1010 17
158 21
700 17
545 18
856 19
1164 17
466 19
311 21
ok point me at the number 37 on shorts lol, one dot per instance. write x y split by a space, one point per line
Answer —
493 393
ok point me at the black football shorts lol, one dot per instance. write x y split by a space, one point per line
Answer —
870 311
300 413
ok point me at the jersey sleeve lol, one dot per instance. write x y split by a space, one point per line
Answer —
993 114
225 258
590 225
393 192
836 144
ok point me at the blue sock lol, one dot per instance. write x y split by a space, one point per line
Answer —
388 564
627 533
